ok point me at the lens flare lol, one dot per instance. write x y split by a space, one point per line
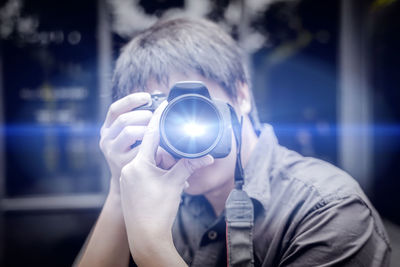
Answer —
194 129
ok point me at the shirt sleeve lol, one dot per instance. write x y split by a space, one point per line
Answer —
339 233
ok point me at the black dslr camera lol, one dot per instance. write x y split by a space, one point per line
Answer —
192 124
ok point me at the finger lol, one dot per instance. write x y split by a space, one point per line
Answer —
128 156
164 160
186 167
151 138
137 117
128 136
126 104
120 159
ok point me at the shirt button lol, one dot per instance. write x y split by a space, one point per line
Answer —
212 235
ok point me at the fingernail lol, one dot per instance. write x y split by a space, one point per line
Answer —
146 97
208 159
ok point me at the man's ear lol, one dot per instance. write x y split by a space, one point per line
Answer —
243 98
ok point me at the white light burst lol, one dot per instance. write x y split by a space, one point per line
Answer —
194 129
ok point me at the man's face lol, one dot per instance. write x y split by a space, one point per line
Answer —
219 175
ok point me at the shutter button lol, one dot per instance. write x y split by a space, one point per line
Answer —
212 235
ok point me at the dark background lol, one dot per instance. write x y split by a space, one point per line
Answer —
56 59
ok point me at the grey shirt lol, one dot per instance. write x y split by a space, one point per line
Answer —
307 213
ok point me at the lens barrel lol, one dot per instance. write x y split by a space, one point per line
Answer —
190 126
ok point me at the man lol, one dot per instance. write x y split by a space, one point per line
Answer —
169 212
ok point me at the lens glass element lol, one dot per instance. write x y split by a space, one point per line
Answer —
191 125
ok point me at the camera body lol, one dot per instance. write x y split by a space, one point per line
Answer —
156 100
192 124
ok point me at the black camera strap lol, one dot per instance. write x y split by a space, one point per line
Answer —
239 210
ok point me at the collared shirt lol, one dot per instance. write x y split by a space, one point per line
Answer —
307 213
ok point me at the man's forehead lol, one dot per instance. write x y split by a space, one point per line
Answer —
155 87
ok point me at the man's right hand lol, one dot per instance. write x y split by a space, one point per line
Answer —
121 129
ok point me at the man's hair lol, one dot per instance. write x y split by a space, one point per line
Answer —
180 46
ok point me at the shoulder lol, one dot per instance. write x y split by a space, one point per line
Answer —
320 185
327 181
325 209
314 214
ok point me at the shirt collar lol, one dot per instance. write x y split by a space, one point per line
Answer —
259 168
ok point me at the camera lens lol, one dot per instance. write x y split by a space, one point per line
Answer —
190 126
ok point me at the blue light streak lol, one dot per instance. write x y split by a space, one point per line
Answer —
378 130
37 130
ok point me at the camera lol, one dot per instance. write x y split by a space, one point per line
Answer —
192 124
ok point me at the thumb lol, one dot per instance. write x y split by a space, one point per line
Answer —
186 167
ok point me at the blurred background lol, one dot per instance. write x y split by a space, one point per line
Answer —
325 74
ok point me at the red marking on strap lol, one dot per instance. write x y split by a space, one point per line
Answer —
227 245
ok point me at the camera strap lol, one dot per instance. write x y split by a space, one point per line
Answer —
239 212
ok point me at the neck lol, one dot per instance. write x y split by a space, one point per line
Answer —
217 197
